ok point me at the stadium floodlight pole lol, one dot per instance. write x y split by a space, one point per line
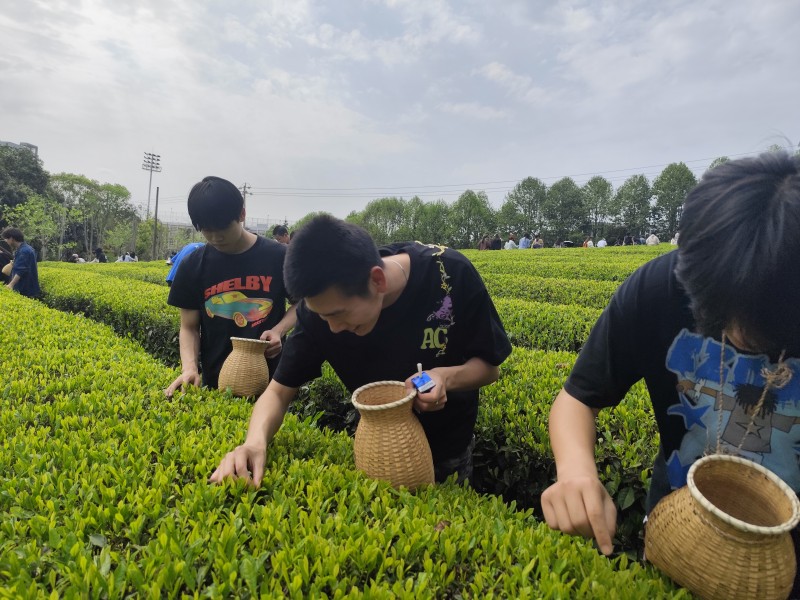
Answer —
152 162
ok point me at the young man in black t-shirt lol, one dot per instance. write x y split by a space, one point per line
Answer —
231 287
373 315
702 326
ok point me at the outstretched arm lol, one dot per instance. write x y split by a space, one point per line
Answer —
578 503
247 461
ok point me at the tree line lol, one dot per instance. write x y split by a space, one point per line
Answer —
64 213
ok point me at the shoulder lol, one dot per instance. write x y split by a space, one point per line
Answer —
269 247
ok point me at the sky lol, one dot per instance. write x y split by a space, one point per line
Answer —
326 105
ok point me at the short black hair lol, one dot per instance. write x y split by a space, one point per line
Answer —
213 203
12 233
280 230
739 250
328 252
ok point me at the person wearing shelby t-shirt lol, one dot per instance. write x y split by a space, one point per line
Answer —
373 314
231 287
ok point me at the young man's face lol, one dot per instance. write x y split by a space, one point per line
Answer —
283 239
356 314
14 244
226 240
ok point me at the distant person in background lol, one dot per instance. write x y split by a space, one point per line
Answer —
497 243
627 240
176 260
674 240
281 234
134 258
538 243
652 239
524 242
511 244
602 243
588 243
485 243
77 259
100 256
24 272
127 257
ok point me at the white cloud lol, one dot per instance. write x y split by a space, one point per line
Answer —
472 110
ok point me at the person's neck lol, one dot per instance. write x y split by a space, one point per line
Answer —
397 269
246 242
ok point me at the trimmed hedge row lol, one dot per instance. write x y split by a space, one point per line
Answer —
545 326
552 290
139 310
134 309
512 454
104 494
565 263
151 272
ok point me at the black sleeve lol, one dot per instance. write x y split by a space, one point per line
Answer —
607 365
301 360
484 334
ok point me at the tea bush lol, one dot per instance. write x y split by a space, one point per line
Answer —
104 494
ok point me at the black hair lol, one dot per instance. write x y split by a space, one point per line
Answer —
280 230
12 233
328 252
213 203
739 251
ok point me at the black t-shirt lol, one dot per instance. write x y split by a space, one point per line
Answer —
238 295
647 332
443 317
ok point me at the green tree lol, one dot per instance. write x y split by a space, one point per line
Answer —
39 219
522 209
670 189
21 175
597 199
471 216
382 218
564 208
631 204
721 160
306 218
434 226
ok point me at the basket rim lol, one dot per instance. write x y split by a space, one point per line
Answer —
733 521
394 404
242 339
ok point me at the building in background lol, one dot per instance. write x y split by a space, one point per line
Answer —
31 147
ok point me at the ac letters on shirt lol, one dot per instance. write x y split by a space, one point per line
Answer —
434 338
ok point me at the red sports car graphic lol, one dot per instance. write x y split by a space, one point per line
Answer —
237 306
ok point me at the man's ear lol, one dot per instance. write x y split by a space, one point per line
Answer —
242 216
377 276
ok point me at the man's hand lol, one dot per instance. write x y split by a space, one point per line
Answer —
275 345
188 378
435 398
245 462
580 505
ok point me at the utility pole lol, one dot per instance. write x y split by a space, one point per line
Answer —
244 189
152 162
155 228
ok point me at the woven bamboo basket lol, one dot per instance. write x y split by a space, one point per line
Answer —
245 372
726 534
390 443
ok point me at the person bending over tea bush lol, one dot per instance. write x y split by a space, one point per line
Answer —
373 314
706 327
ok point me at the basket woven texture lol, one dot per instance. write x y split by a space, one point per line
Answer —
245 372
726 533
390 443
